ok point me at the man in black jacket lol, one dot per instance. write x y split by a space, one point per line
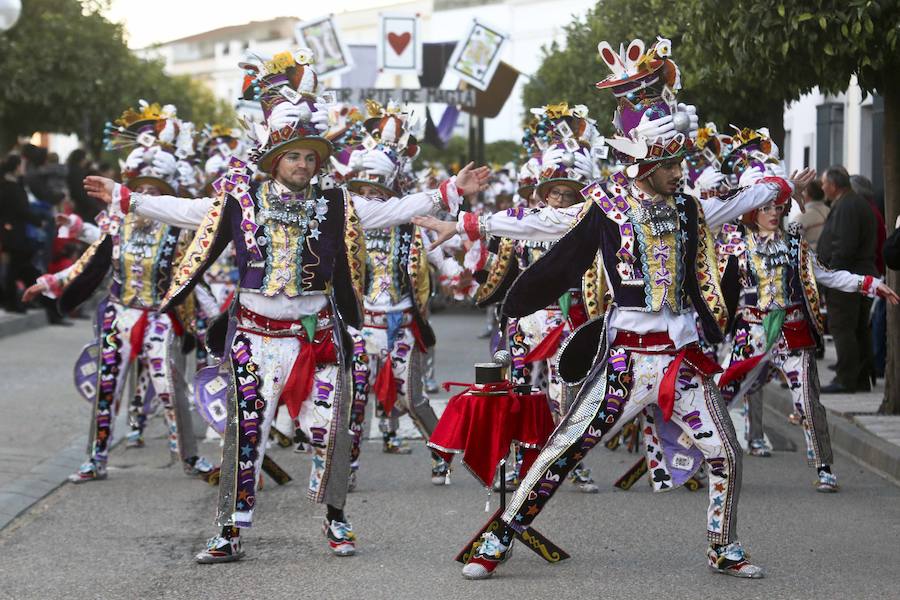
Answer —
848 242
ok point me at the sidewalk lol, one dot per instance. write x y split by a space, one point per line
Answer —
13 323
855 428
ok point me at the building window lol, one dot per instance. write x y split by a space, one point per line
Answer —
806 150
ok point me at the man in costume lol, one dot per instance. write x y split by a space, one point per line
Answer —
390 347
131 326
300 254
778 321
659 264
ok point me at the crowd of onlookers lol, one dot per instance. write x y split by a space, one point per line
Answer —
35 187
844 224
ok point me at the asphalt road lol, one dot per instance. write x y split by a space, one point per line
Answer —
133 535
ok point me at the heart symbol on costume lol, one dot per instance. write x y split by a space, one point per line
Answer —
399 42
653 464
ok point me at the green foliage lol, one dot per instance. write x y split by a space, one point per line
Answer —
456 153
740 61
67 69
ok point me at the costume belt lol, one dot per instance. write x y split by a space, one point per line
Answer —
379 319
316 348
752 314
252 322
659 342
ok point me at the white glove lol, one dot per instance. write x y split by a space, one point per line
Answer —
215 164
749 177
186 174
356 160
377 162
776 170
284 114
164 164
584 165
552 157
709 179
319 118
662 127
691 112
135 159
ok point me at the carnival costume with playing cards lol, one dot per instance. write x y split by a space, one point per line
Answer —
778 321
142 255
301 258
390 348
659 263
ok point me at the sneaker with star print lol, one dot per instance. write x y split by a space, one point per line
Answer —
89 471
220 549
733 560
489 555
340 536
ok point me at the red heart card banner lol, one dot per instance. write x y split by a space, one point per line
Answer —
399 42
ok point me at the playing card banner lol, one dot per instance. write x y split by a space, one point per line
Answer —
477 55
323 38
399 44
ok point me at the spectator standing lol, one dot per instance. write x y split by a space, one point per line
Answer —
862 186
15 215
848 242
78 167
816 213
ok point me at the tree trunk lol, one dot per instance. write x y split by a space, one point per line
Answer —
891 93
775 122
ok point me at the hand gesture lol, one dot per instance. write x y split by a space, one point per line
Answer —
470 180
887 293
444 229
801 179
37 289
100 188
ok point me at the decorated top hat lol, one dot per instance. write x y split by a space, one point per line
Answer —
386 130
645 83
287 77
143 133
565 128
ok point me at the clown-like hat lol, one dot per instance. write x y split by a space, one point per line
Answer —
145 133
645 84
288 77
567 131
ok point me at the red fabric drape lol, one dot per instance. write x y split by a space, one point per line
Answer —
386 386
300 381
483 427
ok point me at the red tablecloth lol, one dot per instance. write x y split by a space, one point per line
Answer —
481 428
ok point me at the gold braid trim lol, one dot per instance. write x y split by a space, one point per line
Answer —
594 288
83 261
419 274
708 273
810 289
197 253
355 242
497 268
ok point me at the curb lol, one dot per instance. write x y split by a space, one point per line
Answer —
861 445
13 324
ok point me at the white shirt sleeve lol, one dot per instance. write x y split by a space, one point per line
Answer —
375 213
89 233
718 212
545 225
185 213
843 281
447 267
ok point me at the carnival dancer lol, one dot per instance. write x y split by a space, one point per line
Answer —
397 288
778 321
141 253
659 263
301 256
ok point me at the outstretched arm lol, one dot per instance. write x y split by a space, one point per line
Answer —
718 212
544 225
375 214
846 281
186 213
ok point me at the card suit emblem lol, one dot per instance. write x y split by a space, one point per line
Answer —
399 42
